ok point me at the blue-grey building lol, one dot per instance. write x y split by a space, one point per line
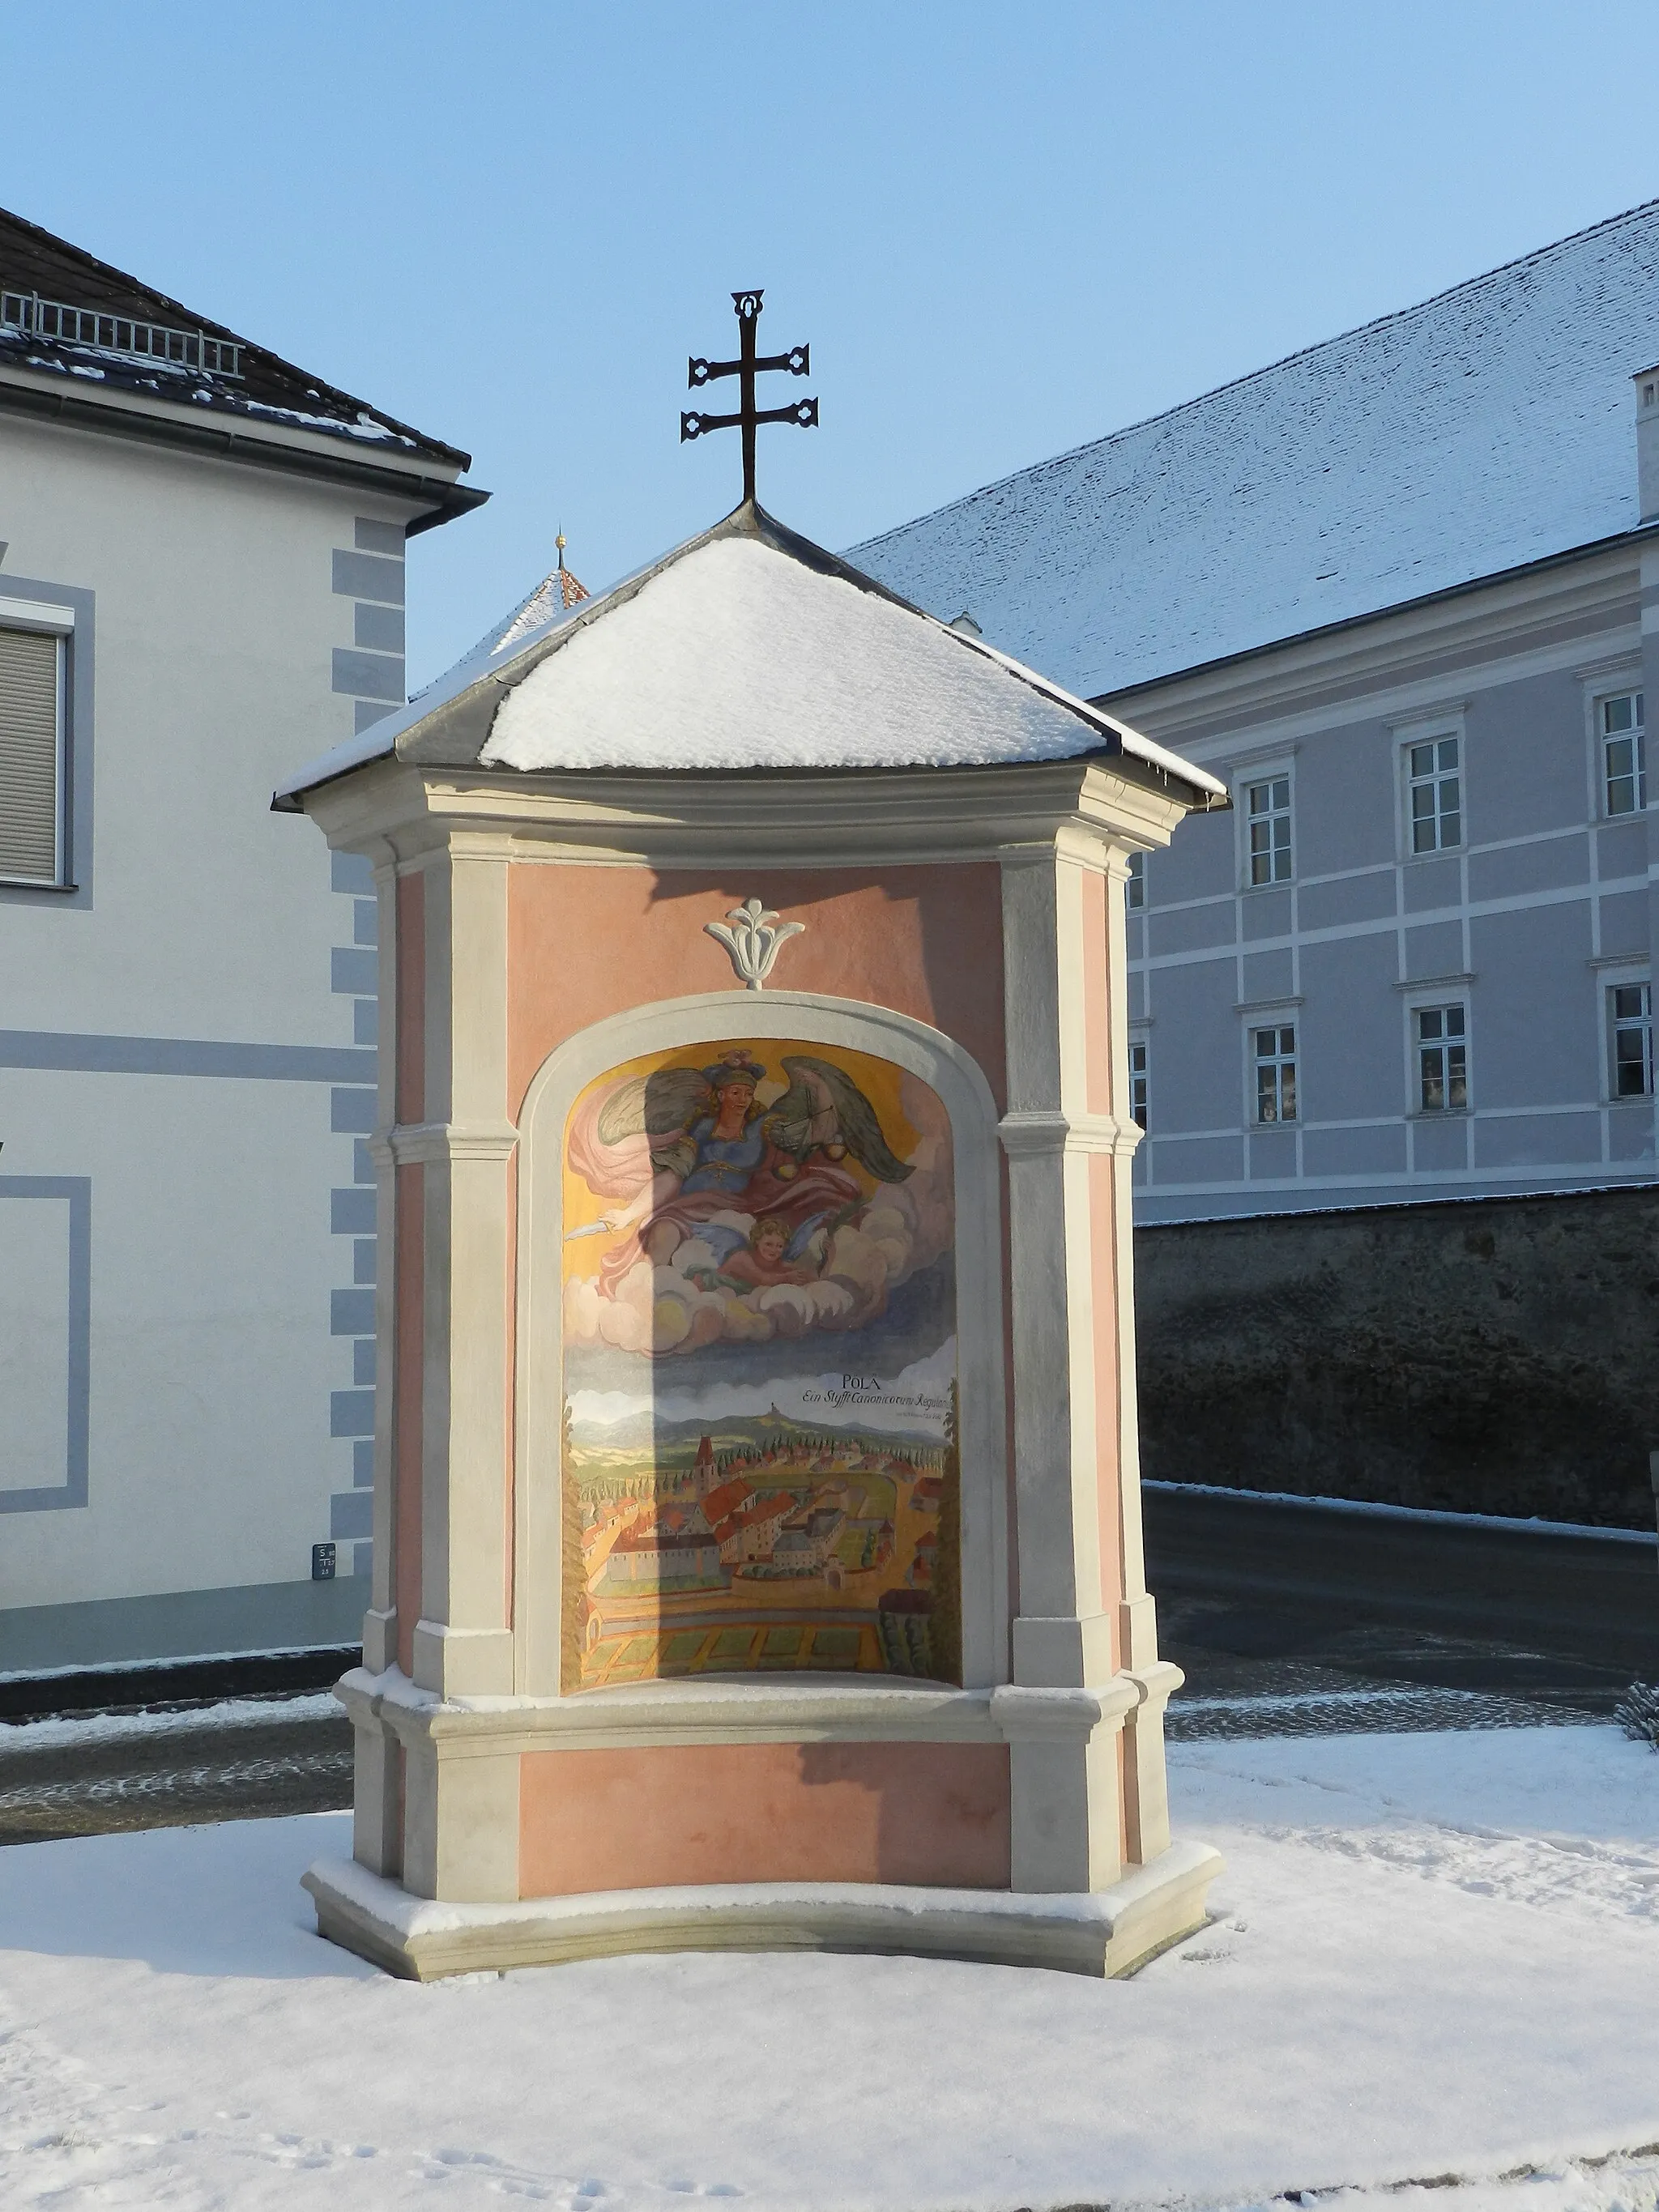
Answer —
1400 591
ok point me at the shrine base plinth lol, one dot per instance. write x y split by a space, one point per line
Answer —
1107 1932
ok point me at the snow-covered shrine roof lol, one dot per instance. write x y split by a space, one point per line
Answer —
747 649
1487 427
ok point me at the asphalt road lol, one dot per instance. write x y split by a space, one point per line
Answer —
1294 1618
1288 1618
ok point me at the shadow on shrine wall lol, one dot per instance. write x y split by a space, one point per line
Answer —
925 940
1496 1356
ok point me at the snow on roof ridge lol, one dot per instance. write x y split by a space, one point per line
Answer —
1394 315
509 662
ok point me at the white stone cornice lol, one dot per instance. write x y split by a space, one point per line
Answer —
1029 1132
599 817
419 1142
1023 1714
730 1709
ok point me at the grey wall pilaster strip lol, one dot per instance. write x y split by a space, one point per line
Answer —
351 1313
379 629
368 674
129 1056
354 971
77 1190
351 1413
372 537
368 576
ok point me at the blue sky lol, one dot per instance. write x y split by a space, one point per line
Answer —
1003 230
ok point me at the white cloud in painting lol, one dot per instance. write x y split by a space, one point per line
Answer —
914 1399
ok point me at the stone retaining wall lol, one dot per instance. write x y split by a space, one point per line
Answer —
1495 1355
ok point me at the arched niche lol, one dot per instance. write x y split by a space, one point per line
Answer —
555 1197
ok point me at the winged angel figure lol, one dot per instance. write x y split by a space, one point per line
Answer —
686 1143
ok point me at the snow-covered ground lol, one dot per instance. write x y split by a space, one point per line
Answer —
1434 1967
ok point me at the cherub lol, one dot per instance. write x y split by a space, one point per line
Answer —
759 1265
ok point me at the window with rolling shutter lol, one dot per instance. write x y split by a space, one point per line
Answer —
31 757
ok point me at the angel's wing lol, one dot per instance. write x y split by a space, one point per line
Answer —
822 1105
805 1115
660 1105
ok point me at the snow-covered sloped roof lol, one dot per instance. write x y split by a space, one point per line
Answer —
101 306
750 648
1489 427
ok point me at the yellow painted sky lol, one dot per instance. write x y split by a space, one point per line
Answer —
879 1079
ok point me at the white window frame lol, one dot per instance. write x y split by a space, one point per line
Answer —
40 616
1248 772
1139 1079
1135 884
1606 740
1434 735
1269 816
1634 980
1265 1022
1439 1003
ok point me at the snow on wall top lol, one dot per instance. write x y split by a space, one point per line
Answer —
1491 426
748 648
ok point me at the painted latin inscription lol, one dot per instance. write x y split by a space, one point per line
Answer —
759 1459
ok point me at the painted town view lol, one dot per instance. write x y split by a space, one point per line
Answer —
761 1546
759 1458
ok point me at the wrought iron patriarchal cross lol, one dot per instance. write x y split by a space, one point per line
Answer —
804 413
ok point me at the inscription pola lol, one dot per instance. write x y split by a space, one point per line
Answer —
759 1460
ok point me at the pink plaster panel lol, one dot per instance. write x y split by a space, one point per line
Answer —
412 998
932 1813
587 943
1108 1381
408 1280
1096 991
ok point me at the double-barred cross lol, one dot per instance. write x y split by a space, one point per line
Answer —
798 361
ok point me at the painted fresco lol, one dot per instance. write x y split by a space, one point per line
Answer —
760 1468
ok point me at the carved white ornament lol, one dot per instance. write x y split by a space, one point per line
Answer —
753 940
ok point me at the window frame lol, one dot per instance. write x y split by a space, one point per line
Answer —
1135 884
1256 772
69 612
39 618
1434 735
1139 1109
1635 979
1269 816
1438 1005
1258 1025
1601 699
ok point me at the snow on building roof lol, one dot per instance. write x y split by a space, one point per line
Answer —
749 647
1486 427
65 311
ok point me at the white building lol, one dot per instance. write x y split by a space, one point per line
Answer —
201 581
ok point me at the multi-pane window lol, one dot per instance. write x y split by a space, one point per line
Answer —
30 765
1135 890
1442 1058
1435 789
1275 1073
1630 1025
1138 1083
1624 753
1269 818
